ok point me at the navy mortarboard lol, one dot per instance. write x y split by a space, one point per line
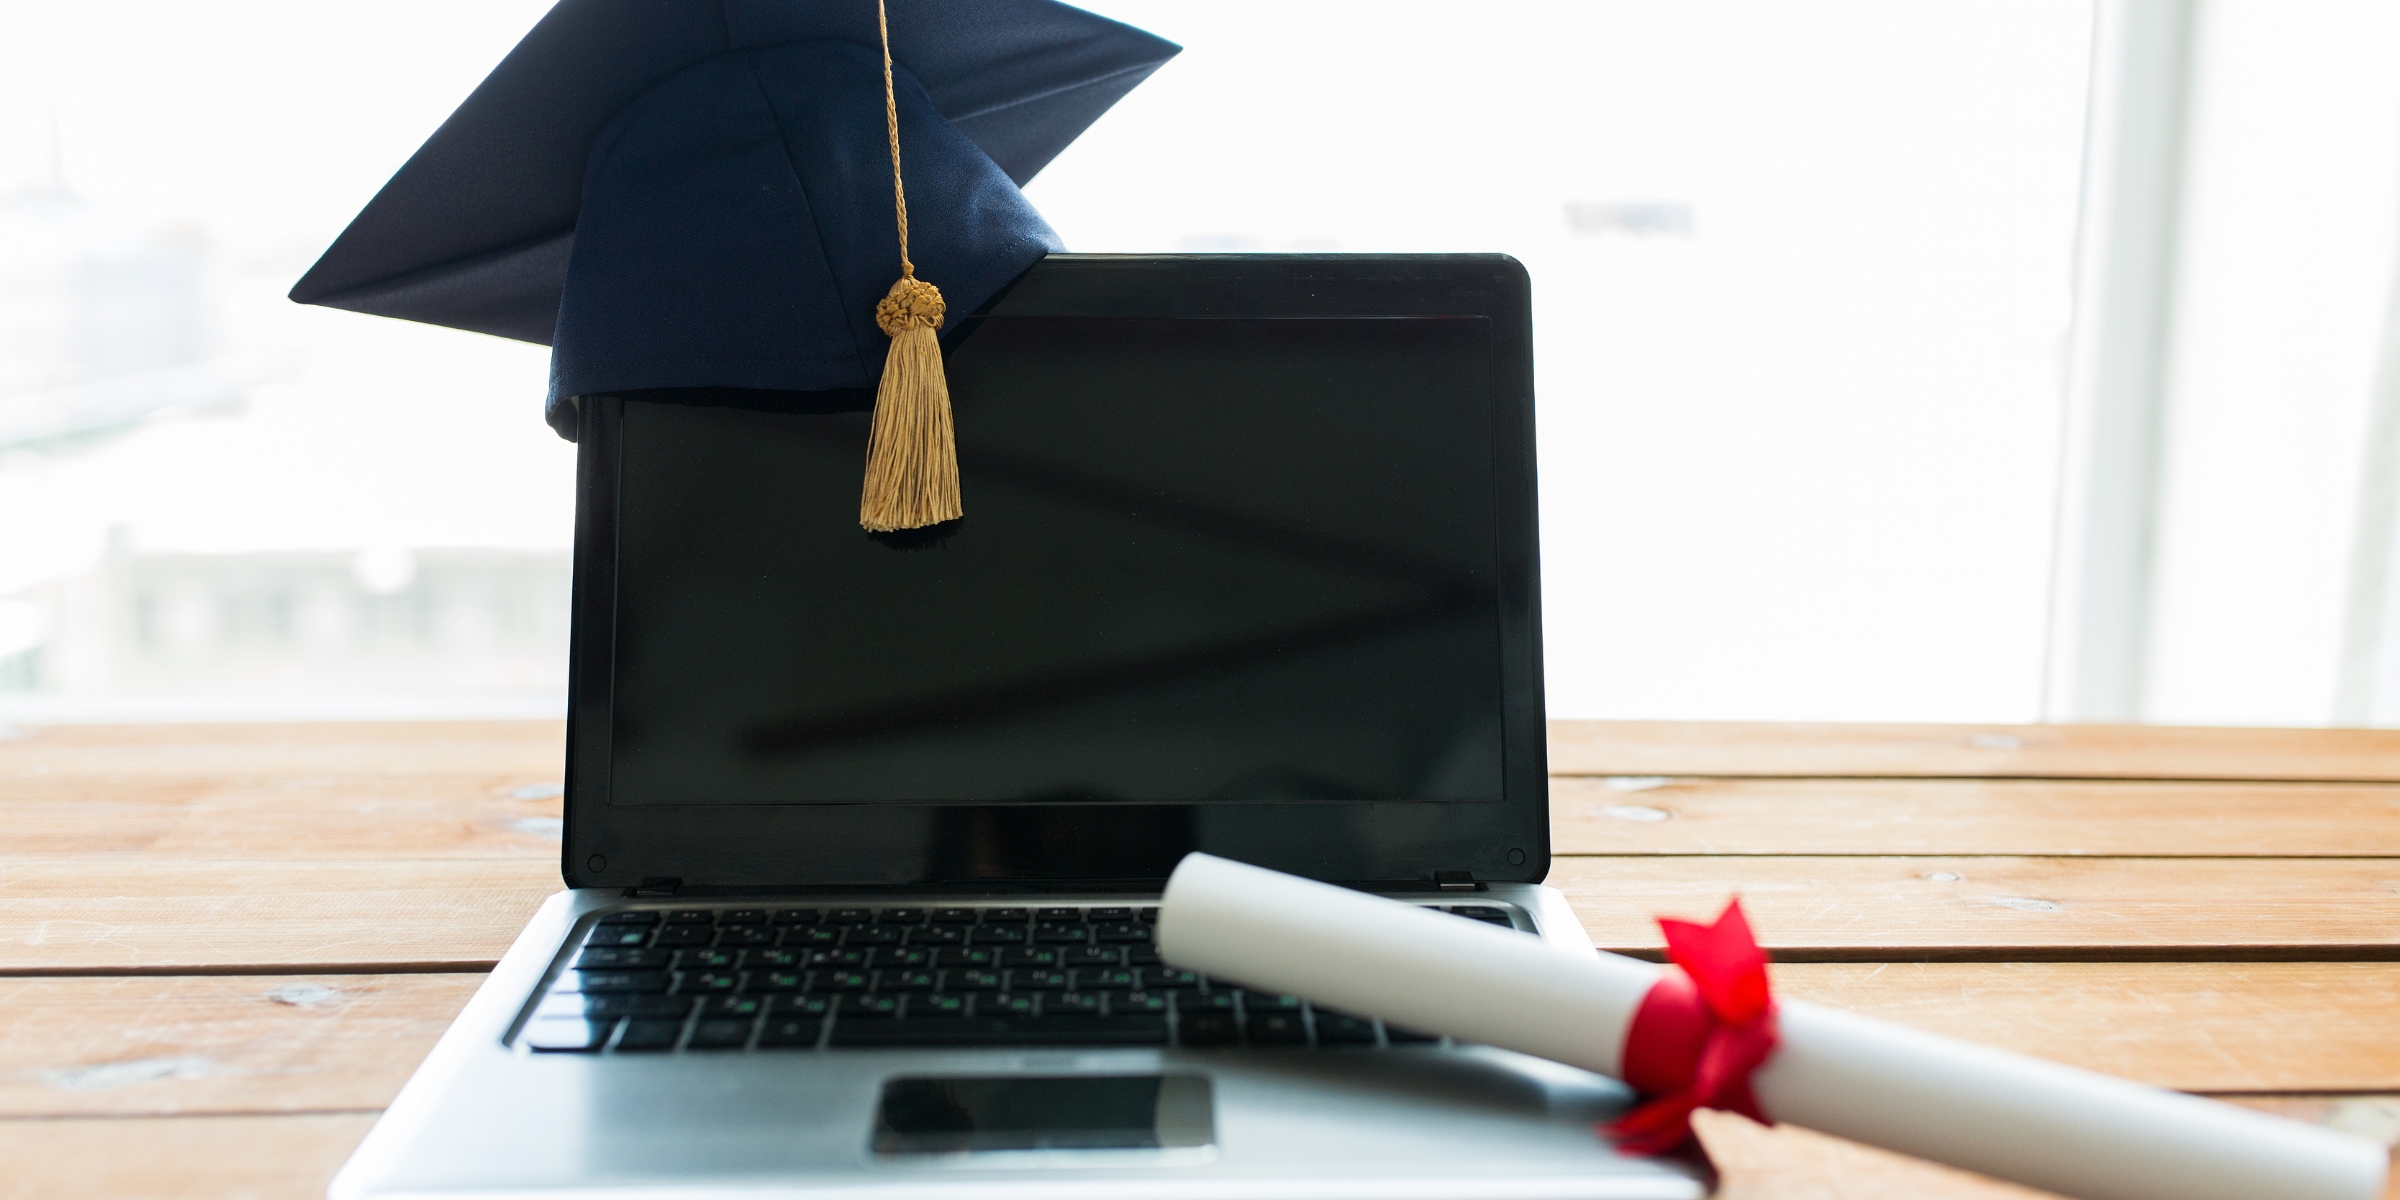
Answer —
713 193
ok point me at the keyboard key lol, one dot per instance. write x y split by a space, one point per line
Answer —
1192 1002
998 935
937 935
1042 979
1341 1029
1209 1029
617 935
650 1035
632 916
790 1033
841 981
691 916
797 916
971 979
904 956
1006 916
812 935
745 935
777 958
1149 916
1088 956
856 1007
613 981
686 935
1144 955
1121 931
1060 914
954 916
911 980
940 1004
967 956
802 1006
903 916
734 1006
567 1035
1109 914
1096 978
983 1030
1070 1002
1029 956
709 959
874 935
608 956
994 1004
1120 1003
1169 977
849 916
778 981
1061 931
744 916
1278 1028
837 958
1257 1002
608 1008
708 983
720 1033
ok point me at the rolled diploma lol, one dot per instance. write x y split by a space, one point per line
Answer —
2005 1115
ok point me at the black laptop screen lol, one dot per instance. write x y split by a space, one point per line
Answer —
1204 560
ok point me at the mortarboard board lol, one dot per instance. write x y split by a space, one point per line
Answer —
693 193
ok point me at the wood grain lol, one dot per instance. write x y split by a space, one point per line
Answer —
200 915
1700 815
1898 908
153 1046
424 790
172 1158
1971 751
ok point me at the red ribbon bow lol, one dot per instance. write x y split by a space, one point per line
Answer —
1698 1034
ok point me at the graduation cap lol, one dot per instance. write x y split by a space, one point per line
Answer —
714 193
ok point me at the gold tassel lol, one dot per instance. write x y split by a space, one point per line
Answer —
912 459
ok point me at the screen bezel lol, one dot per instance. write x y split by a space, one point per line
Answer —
803 847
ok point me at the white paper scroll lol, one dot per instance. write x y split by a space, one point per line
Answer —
2016 1118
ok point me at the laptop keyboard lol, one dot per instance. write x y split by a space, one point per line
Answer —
662 980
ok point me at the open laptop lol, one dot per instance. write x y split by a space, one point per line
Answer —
863 835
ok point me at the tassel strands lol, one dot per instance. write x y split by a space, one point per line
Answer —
912 457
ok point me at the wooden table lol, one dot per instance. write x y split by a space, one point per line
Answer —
223 948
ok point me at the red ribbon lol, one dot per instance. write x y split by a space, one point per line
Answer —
1699 1034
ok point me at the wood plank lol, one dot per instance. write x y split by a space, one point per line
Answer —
157 1046
399 790
2208 1027
1784 1163
1971 751
294 1157
1700 815
1893 909
304 915
171 1158
154 1046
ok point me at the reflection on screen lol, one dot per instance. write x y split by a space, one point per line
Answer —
1203 560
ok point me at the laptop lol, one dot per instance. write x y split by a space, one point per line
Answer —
864 835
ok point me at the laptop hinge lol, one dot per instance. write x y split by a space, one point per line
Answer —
1456 881
656 885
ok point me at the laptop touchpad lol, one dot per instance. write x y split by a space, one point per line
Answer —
969 1114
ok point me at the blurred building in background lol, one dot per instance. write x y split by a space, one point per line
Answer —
285 632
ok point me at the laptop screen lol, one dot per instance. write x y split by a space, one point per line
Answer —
1203 561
